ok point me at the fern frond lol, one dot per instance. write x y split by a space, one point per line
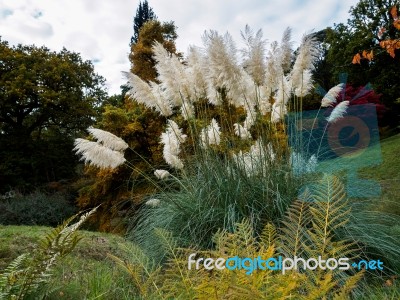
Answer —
293 229
323 284
139 267
34 268
349 286
177 281
329 212
268 235
10 278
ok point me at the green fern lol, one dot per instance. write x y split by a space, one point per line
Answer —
30 270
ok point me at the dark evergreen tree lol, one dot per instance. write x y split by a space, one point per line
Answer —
144 13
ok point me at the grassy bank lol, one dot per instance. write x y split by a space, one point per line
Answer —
87 273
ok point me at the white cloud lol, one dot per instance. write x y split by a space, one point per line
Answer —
100 30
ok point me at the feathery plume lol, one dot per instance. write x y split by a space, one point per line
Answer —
211 134
254 62
242 131
149 95
153 202
171 139
223 68
305 60
108 139
162 174
278 112
304 85
330 97
173 76
284 90
338 112
300 165
264 104
285 49
254 161
274 71
98 155
196 71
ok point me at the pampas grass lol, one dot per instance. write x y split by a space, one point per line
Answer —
172 139
330 97
338 112
108 139
98 155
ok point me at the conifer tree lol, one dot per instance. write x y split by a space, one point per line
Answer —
144 13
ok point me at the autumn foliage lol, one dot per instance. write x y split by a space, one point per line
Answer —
390 45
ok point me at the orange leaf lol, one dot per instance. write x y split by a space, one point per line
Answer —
357 59
393 12
370 56
396 24
364 54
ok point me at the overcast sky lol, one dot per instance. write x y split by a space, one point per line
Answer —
101 29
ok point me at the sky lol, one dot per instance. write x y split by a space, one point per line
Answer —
100 30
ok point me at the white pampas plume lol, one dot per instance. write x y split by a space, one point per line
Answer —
223 71
284 90
174 76
254 62
187 110
330 97
338 112
300 165
304 85
305 60
171 139
108 139
153 202
98 155
285 49
308 54
255 161
211 135
162 174
197 70
278 112
242 131
274 71
264 103
149 95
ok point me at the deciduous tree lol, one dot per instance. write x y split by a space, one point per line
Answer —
46 98
363 31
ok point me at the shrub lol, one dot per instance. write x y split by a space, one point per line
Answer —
37 208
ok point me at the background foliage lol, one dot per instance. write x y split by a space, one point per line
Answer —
46 99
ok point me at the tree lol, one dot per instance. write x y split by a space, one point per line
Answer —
144 13
46 99
140 127
141 55
362 32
